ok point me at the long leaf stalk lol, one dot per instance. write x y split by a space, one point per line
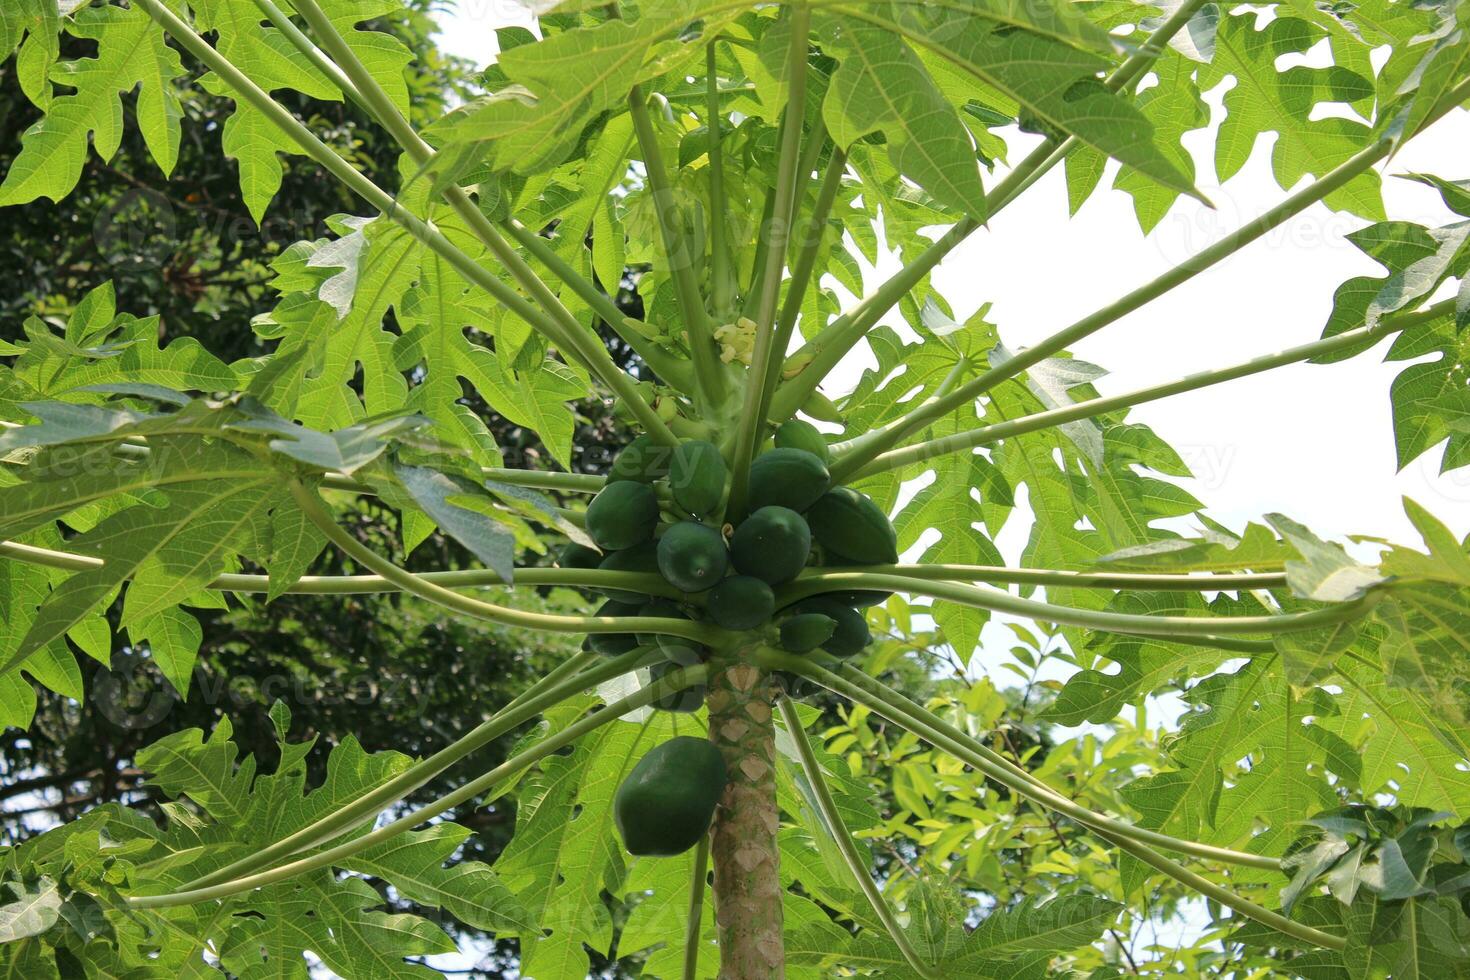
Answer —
1003 602
808 583
722 268
758 263
694 920
647 583
587 483
852 682
813 232
578 673
311 505
810 365
376 101
635 333
998 574
874 443
990 434
851 857
757 394
1224 896
707 367
671 683
1135 840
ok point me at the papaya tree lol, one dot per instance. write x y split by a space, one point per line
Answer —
732 165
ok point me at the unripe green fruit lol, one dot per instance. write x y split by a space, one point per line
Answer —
665 805
687 701
575 555
643 558
642 461
697 477
805 632
851 524
741 602
772 544
613 644
692 556
623 514
662 609
792 478
796 434
851 634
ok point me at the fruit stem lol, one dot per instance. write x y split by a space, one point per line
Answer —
748 893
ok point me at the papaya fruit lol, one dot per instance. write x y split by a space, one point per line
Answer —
697 477
851 634
861 599
796 434
665 805
791 478
741 602
772 544
805 632
613 644
575 555
664 609
687 701
692 556
852 525
623 514
643 558
643 460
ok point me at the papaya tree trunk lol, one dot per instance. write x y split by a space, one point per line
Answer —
746 862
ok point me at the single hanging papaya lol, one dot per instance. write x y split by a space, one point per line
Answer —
666 804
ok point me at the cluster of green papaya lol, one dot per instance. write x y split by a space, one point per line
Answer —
663 510
727 573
